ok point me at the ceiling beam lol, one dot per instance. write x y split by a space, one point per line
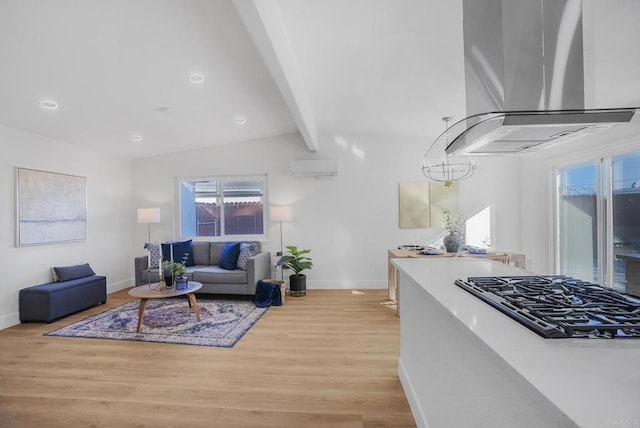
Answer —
263 19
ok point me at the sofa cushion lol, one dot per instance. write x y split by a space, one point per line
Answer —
68 273
216 252
217 275
247 249
154 251
230 254
200 252
180 248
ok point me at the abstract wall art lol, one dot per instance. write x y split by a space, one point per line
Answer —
422 203
50 207
414 204
443 197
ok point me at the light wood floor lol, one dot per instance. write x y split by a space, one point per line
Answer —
329 359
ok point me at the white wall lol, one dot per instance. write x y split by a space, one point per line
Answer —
348 222
108 246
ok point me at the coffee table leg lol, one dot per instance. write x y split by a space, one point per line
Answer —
143 304
194 305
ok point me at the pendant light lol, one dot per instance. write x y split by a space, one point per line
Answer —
443 169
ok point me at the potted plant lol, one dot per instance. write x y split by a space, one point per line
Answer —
455 239
297 261
174 270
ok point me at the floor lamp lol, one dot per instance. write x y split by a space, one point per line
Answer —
148 216
280 214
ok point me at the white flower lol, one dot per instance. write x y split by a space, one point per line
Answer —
455 224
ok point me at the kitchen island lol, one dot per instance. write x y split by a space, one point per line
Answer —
464 363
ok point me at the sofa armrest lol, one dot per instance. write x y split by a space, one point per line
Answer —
139 265
258 268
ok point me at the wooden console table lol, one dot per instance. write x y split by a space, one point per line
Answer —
515 259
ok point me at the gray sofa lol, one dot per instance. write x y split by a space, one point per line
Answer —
214 279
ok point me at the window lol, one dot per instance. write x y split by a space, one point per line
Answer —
591 230
222 206
478 229
578 221
625 217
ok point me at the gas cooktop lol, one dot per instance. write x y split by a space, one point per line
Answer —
557 306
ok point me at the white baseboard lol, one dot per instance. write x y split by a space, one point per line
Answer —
346 284
9 320
112 288
410 393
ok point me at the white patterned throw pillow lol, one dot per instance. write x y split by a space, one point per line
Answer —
247 249
154 250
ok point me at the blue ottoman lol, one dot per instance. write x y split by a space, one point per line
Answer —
53 300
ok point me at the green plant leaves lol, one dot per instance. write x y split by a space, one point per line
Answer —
296 260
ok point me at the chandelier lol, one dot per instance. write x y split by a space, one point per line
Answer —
444 169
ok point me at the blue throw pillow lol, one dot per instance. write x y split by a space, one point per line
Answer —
180 248
67 273
229 257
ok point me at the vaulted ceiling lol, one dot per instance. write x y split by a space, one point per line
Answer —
120 68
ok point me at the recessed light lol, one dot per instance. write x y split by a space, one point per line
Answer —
196 78
240 120
136 138
48 104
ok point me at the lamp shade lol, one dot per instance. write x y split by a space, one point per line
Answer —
148 215
281 213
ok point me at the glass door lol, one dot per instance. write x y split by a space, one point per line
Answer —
598 218
625 172
578 215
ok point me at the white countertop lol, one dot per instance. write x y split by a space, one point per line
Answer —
595 382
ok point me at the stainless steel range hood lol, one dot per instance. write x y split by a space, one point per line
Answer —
524 76
526 131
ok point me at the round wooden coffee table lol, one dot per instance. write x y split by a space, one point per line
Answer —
152 291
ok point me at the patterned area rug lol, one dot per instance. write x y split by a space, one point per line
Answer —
223 322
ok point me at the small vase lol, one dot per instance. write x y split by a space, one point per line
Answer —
453 241
182 283
168 277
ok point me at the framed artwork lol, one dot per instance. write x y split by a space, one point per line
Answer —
414 204
443 197
50 207
421 203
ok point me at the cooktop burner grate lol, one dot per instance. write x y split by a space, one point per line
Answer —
557 306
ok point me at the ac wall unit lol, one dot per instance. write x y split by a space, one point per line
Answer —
314 168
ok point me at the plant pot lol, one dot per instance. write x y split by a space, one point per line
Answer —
453 241
182 283
168 277
298 285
